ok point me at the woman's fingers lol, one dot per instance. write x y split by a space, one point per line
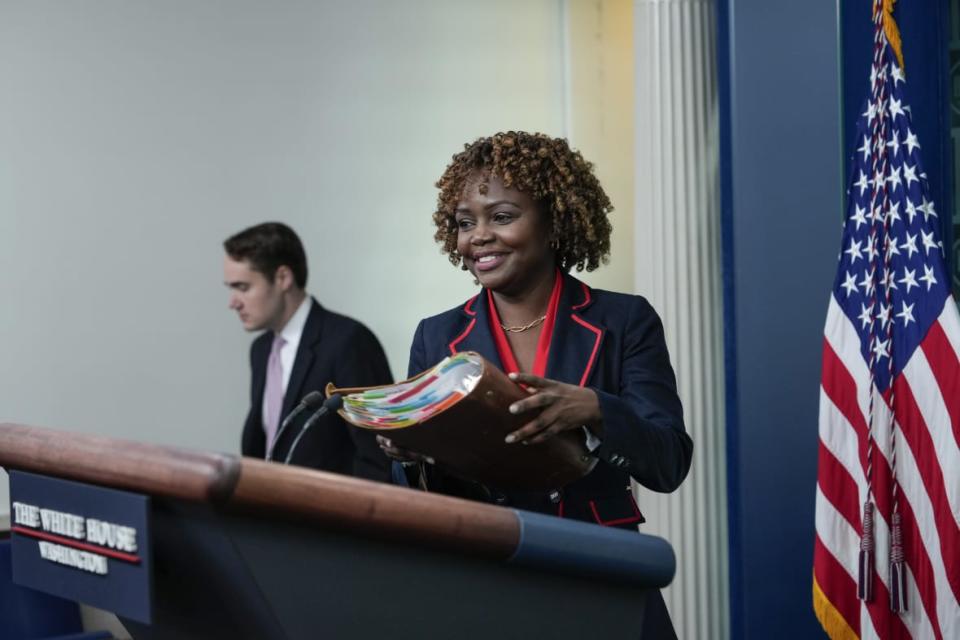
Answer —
541 423
562 406
536 401
531 380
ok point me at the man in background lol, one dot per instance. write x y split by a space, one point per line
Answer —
303 347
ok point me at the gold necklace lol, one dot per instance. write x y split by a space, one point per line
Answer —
522 328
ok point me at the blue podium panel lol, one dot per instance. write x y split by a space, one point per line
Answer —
82 542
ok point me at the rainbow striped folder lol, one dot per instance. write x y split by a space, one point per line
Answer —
456 413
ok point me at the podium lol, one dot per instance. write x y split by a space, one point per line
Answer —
242 548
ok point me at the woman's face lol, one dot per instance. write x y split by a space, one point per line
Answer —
503 236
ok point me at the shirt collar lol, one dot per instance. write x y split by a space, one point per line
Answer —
294 328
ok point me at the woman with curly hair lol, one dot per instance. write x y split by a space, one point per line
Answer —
519 211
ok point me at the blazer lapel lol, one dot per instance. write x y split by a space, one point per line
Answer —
304 358
261 352
474 333
576 342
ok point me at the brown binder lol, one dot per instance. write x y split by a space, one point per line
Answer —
466 435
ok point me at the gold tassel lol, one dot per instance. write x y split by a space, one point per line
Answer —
892 31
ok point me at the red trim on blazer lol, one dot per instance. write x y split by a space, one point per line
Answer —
459 339
586 297
610 523
467 307
507 357
470 312
596 347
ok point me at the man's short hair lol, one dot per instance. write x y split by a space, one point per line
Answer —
267 247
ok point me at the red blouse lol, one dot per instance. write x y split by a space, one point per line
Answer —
543 343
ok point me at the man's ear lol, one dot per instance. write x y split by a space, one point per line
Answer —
283 278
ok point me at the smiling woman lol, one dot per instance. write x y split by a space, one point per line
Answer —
543 170
519 211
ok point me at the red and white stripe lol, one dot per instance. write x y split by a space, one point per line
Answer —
927 421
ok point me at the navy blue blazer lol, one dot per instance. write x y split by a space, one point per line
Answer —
333 348
612 343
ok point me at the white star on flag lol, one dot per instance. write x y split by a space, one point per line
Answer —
909 278
906 313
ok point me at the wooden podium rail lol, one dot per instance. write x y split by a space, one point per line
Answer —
246 548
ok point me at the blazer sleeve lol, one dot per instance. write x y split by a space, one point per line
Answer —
643 430
363 363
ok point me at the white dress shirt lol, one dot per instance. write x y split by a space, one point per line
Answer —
291 333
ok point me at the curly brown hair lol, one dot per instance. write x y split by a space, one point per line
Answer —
556 176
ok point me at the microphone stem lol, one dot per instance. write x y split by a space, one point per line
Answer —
309 423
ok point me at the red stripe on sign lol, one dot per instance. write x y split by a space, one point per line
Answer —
917 435
76 544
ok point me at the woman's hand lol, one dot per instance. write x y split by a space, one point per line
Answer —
563 407
401 455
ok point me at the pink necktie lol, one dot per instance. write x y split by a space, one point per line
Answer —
273 391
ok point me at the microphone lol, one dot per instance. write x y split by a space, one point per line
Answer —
310 401
332 403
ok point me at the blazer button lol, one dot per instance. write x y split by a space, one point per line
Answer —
555 496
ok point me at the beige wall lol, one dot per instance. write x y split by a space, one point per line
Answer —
600 120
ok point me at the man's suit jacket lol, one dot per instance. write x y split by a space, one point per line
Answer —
333 348
614 344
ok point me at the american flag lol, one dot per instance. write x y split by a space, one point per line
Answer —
890 391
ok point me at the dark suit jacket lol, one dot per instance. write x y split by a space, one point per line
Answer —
612 343
333 348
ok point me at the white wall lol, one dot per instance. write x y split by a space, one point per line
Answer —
135 136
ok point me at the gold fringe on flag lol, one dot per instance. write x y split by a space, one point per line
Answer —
830 619
892 32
